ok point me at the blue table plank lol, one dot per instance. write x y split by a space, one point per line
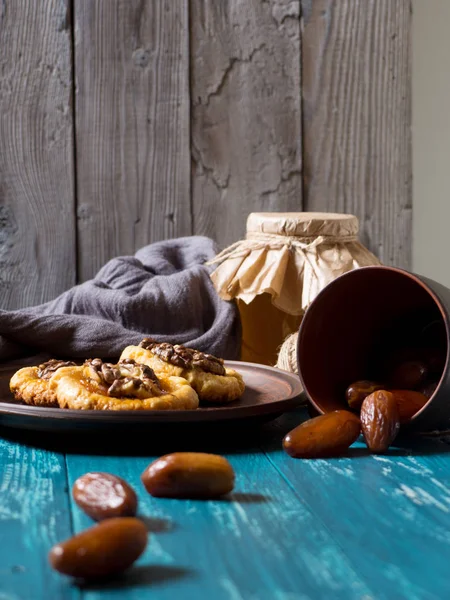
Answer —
262 544
34 515
362 527
390 514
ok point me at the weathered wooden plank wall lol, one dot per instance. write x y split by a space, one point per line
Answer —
132 126
187 116
357 118
246 113
37 202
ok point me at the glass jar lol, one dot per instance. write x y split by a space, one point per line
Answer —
285 260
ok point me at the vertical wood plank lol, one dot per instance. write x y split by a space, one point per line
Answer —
34 515
132 126
357 117
246 125
37 223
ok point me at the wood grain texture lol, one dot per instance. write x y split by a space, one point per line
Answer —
37 224
34 515
132 122
245 96
359 527
260 543
356 90
388 514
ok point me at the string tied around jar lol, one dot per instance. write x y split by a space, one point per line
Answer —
257 241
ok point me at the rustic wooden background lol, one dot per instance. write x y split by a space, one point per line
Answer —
124 122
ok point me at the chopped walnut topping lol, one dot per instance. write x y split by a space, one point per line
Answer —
47 369
126 379
186 358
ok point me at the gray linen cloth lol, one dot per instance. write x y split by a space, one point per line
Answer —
163 291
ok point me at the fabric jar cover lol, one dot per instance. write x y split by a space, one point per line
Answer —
291 256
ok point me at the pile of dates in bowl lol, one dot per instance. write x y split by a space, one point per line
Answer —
403 381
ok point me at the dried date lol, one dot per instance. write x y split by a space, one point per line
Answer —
102 550
409 375
103 496
408 403
380 420
189 475
359 390
325 436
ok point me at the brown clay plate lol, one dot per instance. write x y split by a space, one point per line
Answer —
269 393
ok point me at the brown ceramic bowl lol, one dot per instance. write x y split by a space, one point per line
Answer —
362 318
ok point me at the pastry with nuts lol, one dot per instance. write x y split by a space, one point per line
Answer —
36 385
127 385
207 374
98 385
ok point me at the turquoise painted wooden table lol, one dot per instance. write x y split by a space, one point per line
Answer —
361 527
